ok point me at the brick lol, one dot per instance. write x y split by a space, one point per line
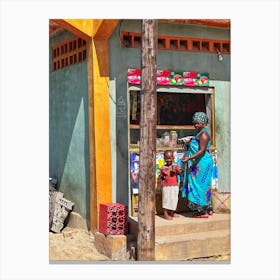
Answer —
113 219
62 209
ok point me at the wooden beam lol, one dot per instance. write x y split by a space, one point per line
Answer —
83 28
221 23
105 28
213 124
89 28
102 56
92 169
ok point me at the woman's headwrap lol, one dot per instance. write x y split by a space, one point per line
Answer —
200 117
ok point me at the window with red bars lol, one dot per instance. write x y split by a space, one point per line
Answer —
69 52
133 40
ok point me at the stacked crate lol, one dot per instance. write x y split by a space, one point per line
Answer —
113 218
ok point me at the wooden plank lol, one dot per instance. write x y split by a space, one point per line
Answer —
178 89
213 125
171 127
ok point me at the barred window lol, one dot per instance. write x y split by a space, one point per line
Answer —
175 43
69 52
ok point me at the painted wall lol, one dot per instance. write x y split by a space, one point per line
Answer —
123 58
68 130
223 132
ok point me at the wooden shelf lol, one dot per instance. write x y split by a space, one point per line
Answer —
171 127
135 149
159 149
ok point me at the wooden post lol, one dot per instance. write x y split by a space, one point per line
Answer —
146 202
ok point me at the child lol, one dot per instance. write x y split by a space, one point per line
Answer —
170 188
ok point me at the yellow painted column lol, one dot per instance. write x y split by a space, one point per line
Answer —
102 121
99 123
100 155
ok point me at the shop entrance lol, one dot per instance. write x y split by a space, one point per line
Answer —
175 108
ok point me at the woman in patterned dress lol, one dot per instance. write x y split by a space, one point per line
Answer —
199 167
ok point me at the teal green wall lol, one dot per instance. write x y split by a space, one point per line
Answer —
123 58
223 132
68 130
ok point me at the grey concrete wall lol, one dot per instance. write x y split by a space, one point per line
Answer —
123 58
68 130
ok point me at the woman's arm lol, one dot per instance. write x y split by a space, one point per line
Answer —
203 139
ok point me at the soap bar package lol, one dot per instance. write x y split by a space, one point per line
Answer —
134 76
203 79
190 78
163 77
176 78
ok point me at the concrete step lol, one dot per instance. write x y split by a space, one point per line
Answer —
184 224
192 245
186 238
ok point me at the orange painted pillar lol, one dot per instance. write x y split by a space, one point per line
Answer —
99 105
101 125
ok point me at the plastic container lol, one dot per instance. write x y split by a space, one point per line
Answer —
173 138
165 138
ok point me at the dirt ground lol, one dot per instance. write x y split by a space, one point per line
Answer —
79 245
73 245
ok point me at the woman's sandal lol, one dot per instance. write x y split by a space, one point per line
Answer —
198 215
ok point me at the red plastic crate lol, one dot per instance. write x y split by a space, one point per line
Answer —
113 218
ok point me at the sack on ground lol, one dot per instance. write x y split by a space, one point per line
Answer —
221 202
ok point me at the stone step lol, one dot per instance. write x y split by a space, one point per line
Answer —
185 224
192 245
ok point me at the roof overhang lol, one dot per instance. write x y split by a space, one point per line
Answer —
103 28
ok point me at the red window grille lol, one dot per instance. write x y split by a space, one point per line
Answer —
67 53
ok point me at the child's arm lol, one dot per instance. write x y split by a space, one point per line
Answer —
178 169
163 173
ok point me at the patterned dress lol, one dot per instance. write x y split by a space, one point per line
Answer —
199 177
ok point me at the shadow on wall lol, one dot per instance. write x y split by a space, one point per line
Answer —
68 134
